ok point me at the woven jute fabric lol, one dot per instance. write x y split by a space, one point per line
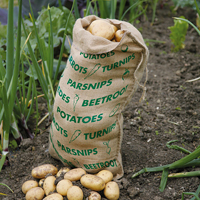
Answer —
99 80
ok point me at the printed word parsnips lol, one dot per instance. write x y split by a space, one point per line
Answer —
99 80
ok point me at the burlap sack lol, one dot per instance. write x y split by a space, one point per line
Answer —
98 82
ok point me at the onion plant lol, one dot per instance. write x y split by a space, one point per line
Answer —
15 92
13 80
108 9
136 9
8 81
7 187
44 71
190 160
195 194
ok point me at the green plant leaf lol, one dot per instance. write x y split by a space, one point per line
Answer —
190 193
10 45
177 147
58 20
189 22
185 3
197 193
3 31
13 144
105 8
6 186
164 179
2 70
121 8
178 33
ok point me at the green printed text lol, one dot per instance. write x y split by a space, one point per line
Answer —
97 56
118 64
100 133
88 86
59 128
61 158
64 97
110 163
79 119
76 66
105 99
77 152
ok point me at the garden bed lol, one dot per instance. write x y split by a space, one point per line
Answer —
171 111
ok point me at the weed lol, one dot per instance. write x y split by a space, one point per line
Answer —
178 33
178 108
157 133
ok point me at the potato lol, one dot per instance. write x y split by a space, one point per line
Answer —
63 186
54 196
94 196
41 182
102 28
118 35
111 190
75 193
29 185
74 174
49 184
36 193
62 171
106 175
42 170
114 27
92 182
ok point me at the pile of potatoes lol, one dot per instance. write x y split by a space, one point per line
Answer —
51 184
106 30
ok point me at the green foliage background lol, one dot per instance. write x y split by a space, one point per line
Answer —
4 3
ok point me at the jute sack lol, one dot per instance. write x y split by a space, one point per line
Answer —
98 82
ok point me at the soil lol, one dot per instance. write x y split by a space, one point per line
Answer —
171 111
